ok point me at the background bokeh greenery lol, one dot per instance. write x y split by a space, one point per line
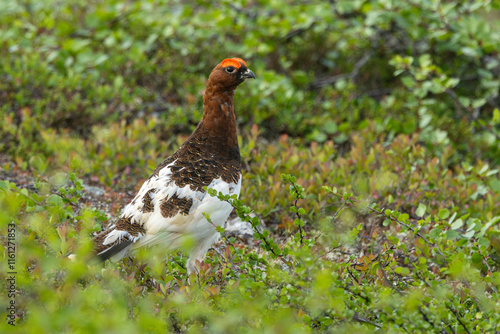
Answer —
385 112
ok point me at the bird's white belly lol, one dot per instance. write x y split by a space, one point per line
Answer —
167 231
218 210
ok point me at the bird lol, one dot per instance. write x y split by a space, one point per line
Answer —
171 203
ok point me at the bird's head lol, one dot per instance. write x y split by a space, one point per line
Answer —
230 73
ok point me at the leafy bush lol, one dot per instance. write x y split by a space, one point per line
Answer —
370 144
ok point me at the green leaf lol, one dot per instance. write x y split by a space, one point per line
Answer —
495 185
408 81
404 217
476 258
484 242
452 234
40 164
435 232
425 60
488 225
496 116
452 218
444 213
55 199
420 212
330 127
457 224
469 234
402 271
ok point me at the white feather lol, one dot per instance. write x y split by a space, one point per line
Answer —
119 235
168 231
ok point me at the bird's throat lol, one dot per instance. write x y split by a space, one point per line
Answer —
218 116
217 132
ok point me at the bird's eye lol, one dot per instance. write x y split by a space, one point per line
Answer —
230 69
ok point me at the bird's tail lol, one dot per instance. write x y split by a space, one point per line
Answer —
111 242
115 241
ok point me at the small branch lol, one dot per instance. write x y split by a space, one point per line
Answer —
350 274
356 317
357 66
485 261
299 216
354 73
366 299
225 239
429 321
247 218
469 110
458 318
297 32
376 257
411 229
247 13
478 305
399 222
336 213
263 238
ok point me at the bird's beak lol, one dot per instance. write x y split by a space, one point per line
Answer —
248 74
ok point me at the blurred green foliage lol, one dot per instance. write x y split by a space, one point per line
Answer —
323 67
370 143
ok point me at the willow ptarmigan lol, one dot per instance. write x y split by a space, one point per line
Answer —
171 203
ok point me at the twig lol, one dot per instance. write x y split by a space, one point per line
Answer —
458 318
299 216
350 274
411 229
246 218
399 222
298 32
429 321
366 321
366 299
478 305
485 261
463 108
354 73
336 213
226 239
376 257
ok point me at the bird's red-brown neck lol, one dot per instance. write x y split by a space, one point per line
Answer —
217 132
218 116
